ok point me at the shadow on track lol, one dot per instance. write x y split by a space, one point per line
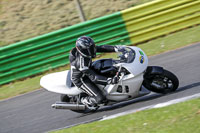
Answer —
148 97
187 87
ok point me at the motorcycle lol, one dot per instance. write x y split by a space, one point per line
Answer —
136 79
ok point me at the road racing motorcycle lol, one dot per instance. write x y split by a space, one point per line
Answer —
136 79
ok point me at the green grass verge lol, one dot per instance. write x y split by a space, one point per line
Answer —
179 118
19 87
172 41
24 86
162 44
1 43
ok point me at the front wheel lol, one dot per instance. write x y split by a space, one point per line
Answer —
162 83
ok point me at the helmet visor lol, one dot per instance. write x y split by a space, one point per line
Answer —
89 52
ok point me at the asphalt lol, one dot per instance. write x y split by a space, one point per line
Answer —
32 113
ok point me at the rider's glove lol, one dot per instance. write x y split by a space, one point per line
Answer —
113 80
119 48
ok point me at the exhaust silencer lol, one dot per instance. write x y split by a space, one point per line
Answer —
63 105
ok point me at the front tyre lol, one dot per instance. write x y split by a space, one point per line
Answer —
162 83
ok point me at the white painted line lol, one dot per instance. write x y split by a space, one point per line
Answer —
84 122
125 113
160 105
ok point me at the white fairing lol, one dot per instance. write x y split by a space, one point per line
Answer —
130 84
136 67
56 82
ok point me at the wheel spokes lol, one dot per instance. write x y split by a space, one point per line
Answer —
163 82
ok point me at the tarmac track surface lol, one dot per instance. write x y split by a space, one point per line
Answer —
32 112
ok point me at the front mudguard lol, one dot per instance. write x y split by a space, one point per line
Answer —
153 70
149 74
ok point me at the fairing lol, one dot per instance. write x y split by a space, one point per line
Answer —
139 64
56 82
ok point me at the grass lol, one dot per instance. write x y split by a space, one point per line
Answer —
159 45
172 41
20 87
179 118
24 86
46 16
1 43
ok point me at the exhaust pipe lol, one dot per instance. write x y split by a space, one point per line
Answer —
63 105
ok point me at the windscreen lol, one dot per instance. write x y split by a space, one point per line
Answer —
127 55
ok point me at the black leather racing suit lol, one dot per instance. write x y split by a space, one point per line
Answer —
85 78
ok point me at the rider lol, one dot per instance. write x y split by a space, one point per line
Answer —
85 78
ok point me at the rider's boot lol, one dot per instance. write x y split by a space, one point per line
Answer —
90 102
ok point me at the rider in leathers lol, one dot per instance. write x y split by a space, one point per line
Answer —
85 78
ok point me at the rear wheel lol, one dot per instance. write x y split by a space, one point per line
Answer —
64 98
162 83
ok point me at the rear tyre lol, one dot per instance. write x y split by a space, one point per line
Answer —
162 83
64 98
